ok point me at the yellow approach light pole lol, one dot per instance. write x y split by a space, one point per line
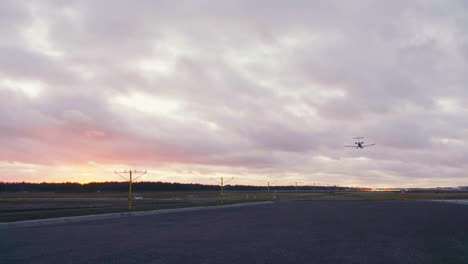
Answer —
130 182
268 185
221 182
296 185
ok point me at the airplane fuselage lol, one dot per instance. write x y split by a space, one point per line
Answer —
359 144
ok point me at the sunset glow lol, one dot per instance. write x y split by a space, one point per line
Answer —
217 89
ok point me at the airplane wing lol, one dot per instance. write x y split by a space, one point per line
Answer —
368 145
350 146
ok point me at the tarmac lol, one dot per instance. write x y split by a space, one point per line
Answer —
465 202
281 232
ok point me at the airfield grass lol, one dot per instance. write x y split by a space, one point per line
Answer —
247 195
53 212
29 206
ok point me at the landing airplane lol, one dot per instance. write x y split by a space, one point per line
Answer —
359 144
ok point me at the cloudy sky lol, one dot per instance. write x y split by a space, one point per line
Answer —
256 90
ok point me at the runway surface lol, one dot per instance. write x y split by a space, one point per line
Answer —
284 232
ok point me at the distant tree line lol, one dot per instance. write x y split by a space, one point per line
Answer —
69 187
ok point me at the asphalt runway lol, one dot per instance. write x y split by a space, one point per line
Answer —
284 232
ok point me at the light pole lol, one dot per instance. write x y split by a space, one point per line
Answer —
268 185
130 182
221 183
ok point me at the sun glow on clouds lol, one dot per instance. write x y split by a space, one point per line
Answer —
322 158
147 103
449 141
24 167
229 90
449 105
82 173
32 89
164 56
37 37
302 110
156 65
